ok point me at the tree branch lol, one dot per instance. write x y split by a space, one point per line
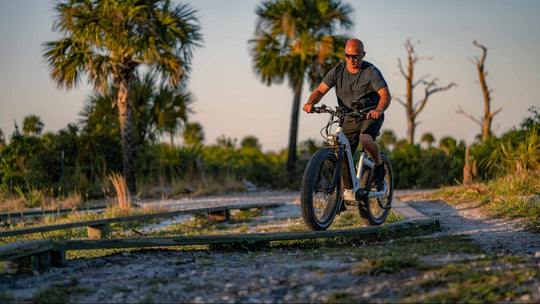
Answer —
429 91
400 101
492 114
461 111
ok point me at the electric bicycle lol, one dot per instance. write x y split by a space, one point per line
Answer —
323 193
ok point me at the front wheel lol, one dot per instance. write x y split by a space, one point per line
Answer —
319 199
374 210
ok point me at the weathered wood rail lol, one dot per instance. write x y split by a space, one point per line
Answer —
101 222
421 224
48 253
21 214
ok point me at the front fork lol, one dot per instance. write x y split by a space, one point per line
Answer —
337 172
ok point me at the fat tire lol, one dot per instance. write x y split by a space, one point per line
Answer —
369 206
310 183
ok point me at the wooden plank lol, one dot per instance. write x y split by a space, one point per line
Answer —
6 215
141 217
20 249
238 238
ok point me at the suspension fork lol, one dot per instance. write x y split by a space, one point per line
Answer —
337 170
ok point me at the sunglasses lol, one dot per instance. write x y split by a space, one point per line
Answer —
354 57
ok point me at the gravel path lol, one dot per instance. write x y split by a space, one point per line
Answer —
251 277
505 236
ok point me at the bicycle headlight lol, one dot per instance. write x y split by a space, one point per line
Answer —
332 139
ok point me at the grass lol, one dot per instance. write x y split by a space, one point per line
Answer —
122 192
485 280
193 187
516 195
422 268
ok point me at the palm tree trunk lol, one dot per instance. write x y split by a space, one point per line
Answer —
293 132
126 131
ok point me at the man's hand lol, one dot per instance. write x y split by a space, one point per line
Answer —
308 107
374 114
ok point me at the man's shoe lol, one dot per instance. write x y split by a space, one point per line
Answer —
378 178
342 208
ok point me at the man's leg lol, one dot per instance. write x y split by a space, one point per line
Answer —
373 150
371 147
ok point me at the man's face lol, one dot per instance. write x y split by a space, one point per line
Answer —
354 56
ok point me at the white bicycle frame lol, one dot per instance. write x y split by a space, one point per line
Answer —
355 176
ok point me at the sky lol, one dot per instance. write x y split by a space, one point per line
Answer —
231 101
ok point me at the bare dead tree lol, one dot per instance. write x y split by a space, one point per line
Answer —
486 121
430 87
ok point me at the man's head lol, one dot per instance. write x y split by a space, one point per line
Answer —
354 52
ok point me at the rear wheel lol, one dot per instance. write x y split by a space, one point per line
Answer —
319 199
374 210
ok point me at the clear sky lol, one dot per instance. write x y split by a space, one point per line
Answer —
231 100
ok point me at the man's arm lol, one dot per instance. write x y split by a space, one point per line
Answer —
316 96
384 102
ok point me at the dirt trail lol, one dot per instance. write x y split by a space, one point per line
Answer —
245 277
495 235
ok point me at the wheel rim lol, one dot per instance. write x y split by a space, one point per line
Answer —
377 204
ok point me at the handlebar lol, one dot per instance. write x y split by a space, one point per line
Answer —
342 112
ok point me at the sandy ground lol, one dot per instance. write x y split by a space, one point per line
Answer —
253 277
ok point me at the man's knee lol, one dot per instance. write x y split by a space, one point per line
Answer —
366 140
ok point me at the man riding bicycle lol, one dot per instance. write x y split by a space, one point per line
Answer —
359 82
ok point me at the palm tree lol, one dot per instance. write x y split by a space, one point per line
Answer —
428 138
32 125
193 134
447 143
109 40
97 116
171 109
156 110
296 39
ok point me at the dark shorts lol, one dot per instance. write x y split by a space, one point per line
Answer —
353 127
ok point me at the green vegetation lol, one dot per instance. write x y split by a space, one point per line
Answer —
31 175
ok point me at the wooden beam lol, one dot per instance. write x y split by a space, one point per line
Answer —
141 217
239 238
7 215
20 249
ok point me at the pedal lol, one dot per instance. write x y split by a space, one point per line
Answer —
378 193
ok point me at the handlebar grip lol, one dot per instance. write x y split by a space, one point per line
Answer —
320 109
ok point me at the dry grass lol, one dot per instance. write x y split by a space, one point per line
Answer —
15 204
194 186
12 204
122 193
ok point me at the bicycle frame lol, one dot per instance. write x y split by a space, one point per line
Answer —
339 141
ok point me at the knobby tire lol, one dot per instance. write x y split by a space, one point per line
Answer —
319 202
370 209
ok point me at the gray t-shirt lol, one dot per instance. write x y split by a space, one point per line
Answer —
362 86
